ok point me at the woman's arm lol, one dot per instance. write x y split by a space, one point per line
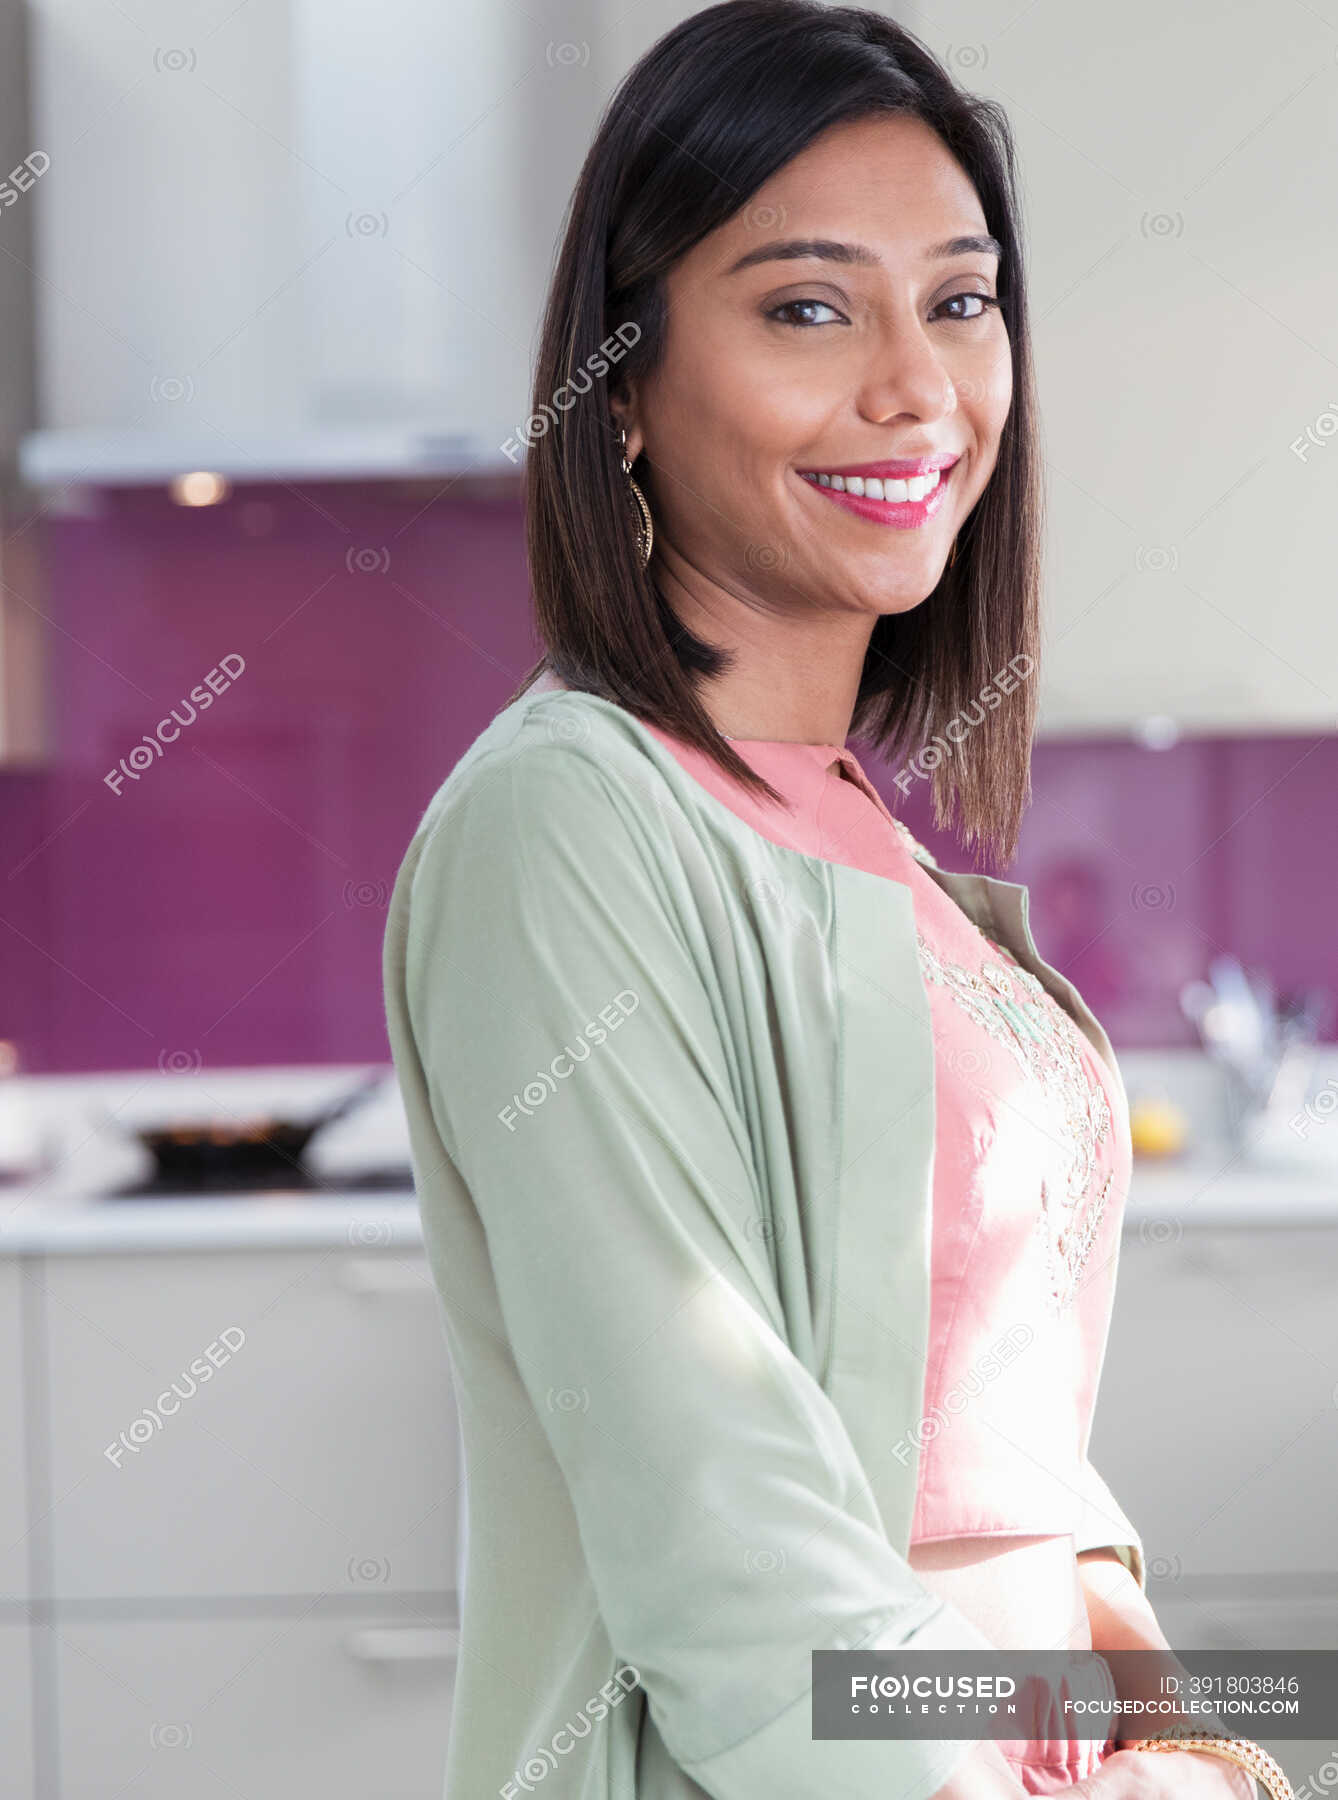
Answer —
1121 1618
585 1086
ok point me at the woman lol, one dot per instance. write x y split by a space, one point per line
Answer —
771 1180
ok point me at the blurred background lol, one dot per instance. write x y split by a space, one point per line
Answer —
270 277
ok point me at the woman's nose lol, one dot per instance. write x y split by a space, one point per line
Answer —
905 374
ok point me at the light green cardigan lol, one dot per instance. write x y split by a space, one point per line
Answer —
671 1098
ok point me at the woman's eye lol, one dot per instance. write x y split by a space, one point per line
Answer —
983 301
801 312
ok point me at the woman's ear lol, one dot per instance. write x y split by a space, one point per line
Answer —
623 407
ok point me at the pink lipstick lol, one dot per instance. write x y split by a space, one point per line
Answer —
905 492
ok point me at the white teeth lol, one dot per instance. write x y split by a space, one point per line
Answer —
871 488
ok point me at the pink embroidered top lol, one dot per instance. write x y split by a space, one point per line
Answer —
1031 1167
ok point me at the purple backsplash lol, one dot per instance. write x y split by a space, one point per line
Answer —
227 907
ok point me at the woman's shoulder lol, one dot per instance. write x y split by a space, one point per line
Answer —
566 783
565 817
562 745
557 767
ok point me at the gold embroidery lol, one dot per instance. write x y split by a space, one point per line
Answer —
1065 1258
1019 1012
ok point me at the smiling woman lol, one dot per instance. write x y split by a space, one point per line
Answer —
815 233
771 1179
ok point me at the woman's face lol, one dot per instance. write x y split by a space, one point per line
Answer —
827 327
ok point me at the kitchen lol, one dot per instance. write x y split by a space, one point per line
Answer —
271 290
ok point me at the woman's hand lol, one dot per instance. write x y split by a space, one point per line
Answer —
1234 1783
1164 1775
1121 1618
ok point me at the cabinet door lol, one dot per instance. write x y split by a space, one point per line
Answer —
16 1713
279 1706
1217 1426
1222 1615
250 1424
15 1548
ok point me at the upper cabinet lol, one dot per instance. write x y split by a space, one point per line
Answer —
297 238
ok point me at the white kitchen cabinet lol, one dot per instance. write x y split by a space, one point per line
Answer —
264 1596
16 1712
283 1705
1219 1616
339 244
15 1548
1218 1421
320 1457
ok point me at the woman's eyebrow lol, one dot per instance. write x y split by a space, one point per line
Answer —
827 250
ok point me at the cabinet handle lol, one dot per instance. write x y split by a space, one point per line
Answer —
404 1643
385 1275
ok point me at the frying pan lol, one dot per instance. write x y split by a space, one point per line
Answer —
261 1151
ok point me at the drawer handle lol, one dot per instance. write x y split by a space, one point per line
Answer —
404 1643
385 1275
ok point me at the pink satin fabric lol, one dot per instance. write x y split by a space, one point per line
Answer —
1031 1167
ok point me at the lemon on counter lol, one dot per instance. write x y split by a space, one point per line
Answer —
1157 1126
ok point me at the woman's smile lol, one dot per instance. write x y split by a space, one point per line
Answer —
906 493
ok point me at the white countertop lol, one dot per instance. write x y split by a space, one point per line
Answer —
85 1125
1165 1199
1208 1191
80 1130
274 1221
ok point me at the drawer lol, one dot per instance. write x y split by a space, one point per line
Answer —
1217 1426
15 1548
16 1713
217 1708
229 1424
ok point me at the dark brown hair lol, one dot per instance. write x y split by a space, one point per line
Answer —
708 115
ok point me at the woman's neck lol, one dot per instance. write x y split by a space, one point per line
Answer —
793 676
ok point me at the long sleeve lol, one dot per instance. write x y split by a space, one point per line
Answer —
586 1088
1104 1523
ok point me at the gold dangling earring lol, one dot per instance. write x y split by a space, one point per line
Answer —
645 528
952 554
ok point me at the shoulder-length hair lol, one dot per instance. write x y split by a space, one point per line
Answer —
708 115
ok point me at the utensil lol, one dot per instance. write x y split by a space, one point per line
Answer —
259 1152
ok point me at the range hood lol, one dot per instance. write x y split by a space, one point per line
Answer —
309 240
